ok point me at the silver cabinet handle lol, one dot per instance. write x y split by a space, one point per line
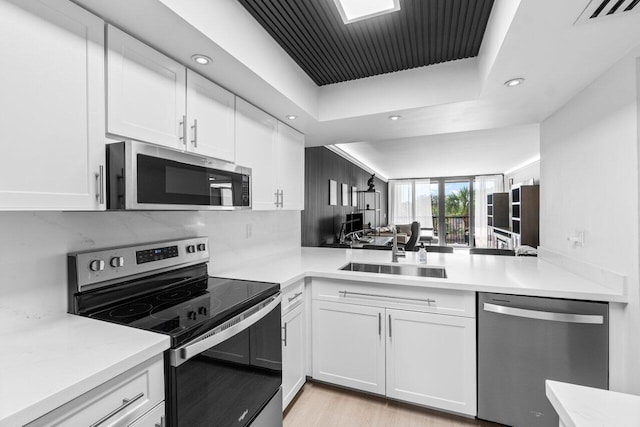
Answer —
125 403
544 315
296 295
183 127
161 423
428 300
379 324
285 334
194 128
100 184
389 326
279 197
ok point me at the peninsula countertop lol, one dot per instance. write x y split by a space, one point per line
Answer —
579 406
482 273
55 357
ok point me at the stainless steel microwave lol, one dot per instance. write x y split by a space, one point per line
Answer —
143 176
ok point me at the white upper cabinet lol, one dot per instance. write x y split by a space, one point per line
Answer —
152 98
52 106
210 118
256 134
275 153
145 92
290 167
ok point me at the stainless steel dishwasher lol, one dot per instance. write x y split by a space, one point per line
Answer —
524 340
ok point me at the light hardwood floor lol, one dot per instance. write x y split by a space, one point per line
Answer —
320 405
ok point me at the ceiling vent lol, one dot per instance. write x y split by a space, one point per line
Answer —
598 10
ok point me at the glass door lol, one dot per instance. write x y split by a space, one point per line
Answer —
455 212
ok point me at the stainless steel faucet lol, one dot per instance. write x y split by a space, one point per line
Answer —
395 251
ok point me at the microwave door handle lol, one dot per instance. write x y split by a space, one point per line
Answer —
182 354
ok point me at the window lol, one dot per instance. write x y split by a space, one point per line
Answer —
442 204
411 201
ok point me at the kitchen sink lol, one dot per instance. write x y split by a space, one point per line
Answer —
402 270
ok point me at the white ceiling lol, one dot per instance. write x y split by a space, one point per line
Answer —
534 39
453 154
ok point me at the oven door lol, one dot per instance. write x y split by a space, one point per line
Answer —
227 377
145 176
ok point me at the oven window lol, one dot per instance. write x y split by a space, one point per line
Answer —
229 384
162 181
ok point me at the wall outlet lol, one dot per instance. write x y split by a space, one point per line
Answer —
577 239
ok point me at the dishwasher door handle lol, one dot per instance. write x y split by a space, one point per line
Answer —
544 315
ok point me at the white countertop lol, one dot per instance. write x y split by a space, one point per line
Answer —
579 406
482 273
50 359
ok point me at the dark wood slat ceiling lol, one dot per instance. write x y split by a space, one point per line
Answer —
423 32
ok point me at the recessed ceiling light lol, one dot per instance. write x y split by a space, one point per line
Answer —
292 117
514 82
394 118
356 10
201 59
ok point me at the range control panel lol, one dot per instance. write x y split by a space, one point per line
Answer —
93 269
156 254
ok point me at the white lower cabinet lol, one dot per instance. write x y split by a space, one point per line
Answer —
294 357
134 396
397 344
349 345
431 360
153 418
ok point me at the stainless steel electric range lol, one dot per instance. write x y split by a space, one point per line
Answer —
224 367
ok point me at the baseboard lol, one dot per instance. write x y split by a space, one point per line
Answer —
610 279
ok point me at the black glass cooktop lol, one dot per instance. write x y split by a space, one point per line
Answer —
187 310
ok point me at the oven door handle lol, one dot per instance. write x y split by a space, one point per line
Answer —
223 332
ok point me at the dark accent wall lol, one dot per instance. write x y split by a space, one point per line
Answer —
320 221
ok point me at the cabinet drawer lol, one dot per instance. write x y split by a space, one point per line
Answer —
292 297
432 300
153 418
117 402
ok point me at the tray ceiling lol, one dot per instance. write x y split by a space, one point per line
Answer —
422 32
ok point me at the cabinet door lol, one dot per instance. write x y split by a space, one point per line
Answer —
293 354
348 345
256 134
145 92
431 360
52 106
211 118
290 167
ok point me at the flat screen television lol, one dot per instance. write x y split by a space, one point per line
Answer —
355 222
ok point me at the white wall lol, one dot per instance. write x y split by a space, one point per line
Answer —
33 245
523 174
589 167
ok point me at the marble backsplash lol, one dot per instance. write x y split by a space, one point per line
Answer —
33 245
